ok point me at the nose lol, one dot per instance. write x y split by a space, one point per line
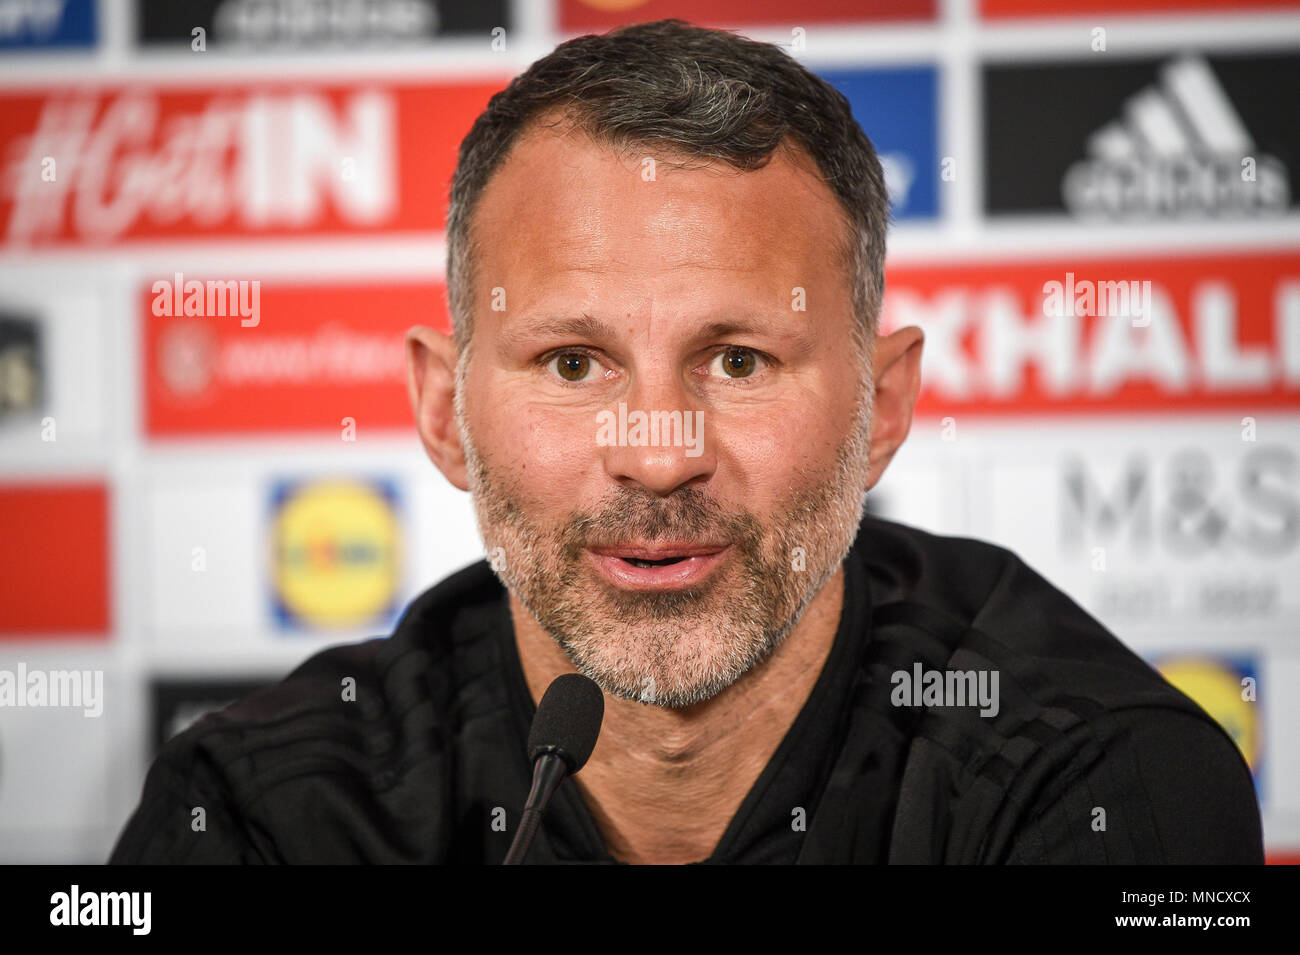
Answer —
658 437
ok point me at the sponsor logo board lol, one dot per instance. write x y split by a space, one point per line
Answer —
55 560
102 165
1065 8
336 554
897 109
587 15
22 367
318 360
1185 137
1163 335
1193 526
310 24
47 24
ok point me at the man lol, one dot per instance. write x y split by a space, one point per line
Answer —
667 396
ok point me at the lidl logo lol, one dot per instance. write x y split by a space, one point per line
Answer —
336 553
1227 689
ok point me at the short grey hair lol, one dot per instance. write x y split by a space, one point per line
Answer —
699 94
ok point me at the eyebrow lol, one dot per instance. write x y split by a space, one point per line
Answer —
575 327
585 326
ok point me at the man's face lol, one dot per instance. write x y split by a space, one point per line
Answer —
710 293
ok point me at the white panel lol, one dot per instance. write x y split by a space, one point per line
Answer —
224 519
55 802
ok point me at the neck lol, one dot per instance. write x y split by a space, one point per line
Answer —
663 784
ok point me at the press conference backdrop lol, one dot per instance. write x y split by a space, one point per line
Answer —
1096 224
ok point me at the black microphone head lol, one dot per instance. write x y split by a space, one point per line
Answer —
568 720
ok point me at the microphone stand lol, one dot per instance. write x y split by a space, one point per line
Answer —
548 772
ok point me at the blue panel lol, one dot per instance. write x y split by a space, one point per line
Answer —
47 24
897 109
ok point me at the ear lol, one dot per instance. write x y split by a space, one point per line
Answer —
896 368
431 381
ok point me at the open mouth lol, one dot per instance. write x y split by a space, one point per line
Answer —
638 562
672 565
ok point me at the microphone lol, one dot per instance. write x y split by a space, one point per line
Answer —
560 741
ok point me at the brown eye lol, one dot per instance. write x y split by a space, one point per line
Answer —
738 362
572 366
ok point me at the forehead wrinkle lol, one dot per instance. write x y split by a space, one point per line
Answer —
609 264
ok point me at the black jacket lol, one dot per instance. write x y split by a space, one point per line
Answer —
428 765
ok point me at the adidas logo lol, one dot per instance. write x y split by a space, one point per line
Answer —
1180 149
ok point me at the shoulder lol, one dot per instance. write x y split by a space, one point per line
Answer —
348 728
1078 721
974 602
348 692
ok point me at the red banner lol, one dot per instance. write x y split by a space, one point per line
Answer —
600 15
1065 8
106 165
55 560
279 359
1176 333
